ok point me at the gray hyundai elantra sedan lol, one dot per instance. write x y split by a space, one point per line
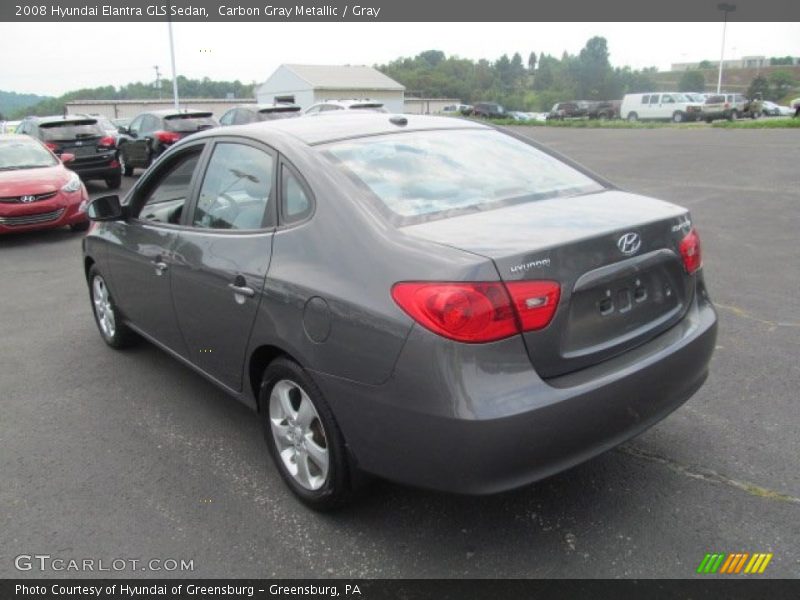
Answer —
430 300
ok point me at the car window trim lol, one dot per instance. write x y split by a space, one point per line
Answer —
141 185
188 215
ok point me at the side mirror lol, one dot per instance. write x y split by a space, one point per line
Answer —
105 208
123 129
66 157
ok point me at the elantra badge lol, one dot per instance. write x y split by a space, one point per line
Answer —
629 243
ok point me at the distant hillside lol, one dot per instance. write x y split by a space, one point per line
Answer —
11 102
189 88
733 80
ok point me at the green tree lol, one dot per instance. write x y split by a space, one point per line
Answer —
759 88
780 82
705 64
692 81
781 60
593 69
532 61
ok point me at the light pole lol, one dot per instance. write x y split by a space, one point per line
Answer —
725 8
172 58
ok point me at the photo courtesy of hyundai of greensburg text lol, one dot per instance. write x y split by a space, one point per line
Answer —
399 300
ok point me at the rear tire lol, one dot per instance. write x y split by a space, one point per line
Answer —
115 182
106 314
303 437
678 117
632 117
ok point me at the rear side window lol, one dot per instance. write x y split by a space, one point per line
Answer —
425 175
296 204
60 131
236 190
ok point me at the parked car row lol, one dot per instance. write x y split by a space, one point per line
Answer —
602 109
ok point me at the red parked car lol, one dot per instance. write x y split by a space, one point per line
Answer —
36 190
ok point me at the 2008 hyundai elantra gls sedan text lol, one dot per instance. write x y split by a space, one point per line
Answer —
429 300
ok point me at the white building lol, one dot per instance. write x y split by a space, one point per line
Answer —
308 84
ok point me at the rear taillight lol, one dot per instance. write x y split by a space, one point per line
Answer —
691 252
107 142
167 137
51 146
535 302
477 312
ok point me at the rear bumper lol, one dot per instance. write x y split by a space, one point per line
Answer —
96 168
451 422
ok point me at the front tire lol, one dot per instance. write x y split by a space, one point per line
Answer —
303 437
126 169
106 315
83 226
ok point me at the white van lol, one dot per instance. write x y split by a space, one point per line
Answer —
659 105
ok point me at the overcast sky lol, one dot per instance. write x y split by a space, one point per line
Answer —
52 58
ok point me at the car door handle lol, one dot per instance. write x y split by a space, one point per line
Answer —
160 266
242 290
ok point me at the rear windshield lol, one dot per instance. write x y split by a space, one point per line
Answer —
271 114
24 154
189 122
61 131
427 175
379 108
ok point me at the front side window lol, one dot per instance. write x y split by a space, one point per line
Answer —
646 99
419 176
654 99
236 189
168 189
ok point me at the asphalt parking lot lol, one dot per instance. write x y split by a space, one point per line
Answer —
111 455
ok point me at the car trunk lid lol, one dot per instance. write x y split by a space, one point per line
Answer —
614 254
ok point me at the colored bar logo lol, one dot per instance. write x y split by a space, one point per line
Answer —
734 563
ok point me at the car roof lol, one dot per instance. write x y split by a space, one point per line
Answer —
351 102
18 137
311 130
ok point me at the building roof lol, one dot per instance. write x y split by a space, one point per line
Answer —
344 77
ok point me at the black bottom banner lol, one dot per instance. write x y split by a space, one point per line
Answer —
398 589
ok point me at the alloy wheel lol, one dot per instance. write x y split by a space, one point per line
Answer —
103 309
299 435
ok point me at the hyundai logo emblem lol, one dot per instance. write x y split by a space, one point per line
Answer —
629 243
27 199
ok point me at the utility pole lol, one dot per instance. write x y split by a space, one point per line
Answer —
172 58
158 81
725 8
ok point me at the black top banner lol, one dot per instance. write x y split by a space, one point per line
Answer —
399 10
